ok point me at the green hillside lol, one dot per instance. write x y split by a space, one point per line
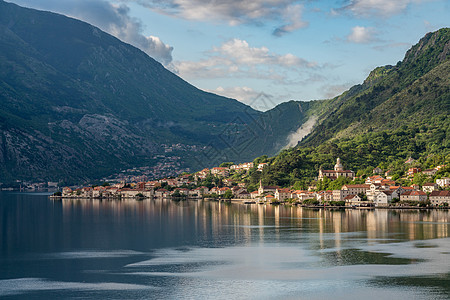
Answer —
78 103
398 112
416 88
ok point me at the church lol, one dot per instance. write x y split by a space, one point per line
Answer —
266 189
337 172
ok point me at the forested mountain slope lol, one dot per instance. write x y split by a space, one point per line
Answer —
77 103
398 112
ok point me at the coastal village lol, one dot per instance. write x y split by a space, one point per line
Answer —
378 190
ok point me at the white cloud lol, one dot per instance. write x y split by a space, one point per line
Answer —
385 8
114 19
236 58
361 35
292 14
259 100
234 12
240 52
243 94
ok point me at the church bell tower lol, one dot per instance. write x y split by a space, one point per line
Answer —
338 166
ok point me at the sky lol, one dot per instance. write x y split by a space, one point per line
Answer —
264 52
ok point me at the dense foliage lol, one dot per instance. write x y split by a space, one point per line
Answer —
397 113
79 104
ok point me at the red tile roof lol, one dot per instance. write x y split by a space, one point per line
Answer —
440 193
414 193
362 186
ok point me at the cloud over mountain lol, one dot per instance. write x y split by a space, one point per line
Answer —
237 58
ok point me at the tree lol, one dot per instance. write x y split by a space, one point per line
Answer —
226 164
297 185
252 187
177 194
260 160
322 185
338 183
420 178
362 196
395 177
228 194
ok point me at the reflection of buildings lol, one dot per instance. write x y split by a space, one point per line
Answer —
218 222
382 222
337 226
277 221
261 216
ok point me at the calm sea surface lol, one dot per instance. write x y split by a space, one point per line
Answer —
156 249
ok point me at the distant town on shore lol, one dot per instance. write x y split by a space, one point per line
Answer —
226 183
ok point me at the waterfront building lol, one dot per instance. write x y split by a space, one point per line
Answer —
413 196
283 194
266 189
352 200
440 197
383 198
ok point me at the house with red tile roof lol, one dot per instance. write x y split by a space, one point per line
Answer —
283 194
429 187
220 171
374 179
352 200
269 198
430 172
413 196
412 171
383 198
440 198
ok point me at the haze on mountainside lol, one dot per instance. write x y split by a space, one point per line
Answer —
79 104
399 112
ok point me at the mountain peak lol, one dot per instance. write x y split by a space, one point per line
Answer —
413 90
434 47
78 103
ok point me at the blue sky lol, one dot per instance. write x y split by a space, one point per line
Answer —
280 49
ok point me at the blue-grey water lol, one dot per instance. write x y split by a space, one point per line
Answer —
156 249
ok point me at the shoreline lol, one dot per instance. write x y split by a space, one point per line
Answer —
253 202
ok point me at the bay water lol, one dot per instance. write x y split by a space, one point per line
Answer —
164 249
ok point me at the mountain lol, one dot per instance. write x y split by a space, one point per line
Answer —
398 112
78 104
415 89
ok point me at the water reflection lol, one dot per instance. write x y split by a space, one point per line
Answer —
250 223
164 249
